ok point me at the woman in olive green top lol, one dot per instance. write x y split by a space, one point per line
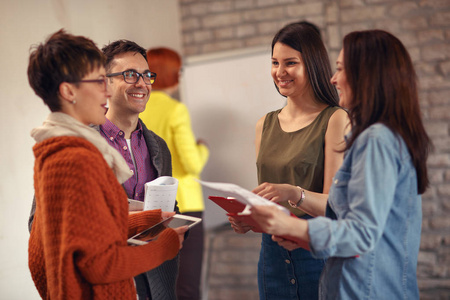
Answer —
297 154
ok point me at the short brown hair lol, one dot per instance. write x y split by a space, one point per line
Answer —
62 58
166 63
119 47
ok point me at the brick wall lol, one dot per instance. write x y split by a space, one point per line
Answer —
231 264
210 26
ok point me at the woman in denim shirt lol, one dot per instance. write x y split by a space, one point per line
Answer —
371 229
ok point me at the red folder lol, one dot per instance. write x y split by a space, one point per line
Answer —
234 207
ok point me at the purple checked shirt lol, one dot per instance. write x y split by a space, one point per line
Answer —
144 170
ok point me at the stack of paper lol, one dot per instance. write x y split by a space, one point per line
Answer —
161 193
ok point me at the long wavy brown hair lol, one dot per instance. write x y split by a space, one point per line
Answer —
383 82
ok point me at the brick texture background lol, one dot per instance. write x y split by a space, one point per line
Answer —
210 26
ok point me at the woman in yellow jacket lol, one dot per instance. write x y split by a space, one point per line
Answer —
170 119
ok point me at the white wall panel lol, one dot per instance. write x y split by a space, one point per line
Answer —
226 95
27 22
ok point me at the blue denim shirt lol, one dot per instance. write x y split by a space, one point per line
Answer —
371 234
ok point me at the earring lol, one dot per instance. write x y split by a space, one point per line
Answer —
74 101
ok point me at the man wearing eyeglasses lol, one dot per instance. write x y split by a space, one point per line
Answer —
147 155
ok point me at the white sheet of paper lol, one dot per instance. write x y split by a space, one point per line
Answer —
161 193
241 194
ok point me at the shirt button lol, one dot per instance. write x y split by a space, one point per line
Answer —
287 261
336 181
137 194
125 148
132 172
111 138
120 133
293 281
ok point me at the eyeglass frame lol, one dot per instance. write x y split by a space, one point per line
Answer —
104 81
139 75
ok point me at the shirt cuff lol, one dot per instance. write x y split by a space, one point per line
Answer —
321 240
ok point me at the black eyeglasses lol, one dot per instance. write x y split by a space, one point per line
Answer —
132 77
98 81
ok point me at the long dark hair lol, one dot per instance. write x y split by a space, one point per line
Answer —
305 38
383 82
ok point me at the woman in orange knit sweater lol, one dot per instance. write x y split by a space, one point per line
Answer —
78 243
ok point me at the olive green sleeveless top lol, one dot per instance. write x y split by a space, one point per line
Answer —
295 157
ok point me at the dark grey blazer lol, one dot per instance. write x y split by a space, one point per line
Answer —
161 281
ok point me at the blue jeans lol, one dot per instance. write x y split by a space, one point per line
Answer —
284 274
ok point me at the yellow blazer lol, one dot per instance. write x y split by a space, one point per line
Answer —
170 119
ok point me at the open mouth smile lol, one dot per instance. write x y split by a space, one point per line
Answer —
135 95
283 83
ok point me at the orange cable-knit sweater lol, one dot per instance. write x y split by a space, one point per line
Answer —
78 244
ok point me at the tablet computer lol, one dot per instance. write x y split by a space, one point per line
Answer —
152 233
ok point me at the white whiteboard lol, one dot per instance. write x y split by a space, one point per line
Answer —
226 96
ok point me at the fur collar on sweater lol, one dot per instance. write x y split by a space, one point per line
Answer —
61 124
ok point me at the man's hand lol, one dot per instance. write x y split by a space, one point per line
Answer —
181 231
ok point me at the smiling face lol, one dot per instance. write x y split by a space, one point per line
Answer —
129 98
339 79
289 72
90 98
